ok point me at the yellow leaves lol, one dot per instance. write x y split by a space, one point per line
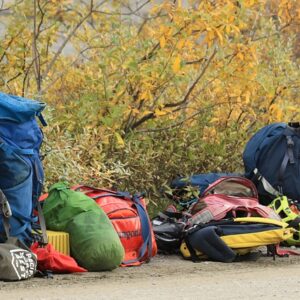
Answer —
210 135
162 41
227 29
176 65
275 113
180 44
231 19
145 113
252 50
293 108
119 140
247 95
159 112
219 35
240 56
134 111
146 95
249 3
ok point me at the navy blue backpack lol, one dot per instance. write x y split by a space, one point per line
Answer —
272 161
21 171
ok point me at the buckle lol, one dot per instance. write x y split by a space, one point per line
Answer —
6 210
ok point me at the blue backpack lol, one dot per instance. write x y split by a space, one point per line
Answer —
272 161
21 170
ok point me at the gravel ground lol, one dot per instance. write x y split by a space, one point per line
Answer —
170 277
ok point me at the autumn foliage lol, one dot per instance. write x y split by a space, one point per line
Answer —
139 93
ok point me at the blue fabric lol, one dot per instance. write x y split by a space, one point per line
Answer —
266 151
208 242
259 143
18 109
20 165
200 180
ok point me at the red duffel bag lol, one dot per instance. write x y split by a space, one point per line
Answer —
130 219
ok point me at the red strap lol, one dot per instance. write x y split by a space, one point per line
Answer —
285 252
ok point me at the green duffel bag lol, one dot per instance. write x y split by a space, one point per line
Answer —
62 204
94 242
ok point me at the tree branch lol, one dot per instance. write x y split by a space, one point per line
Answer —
201 111
194 84
183 101
71 34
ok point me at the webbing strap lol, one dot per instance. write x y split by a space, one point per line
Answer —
10 149
146 247
6 213
42 120
288 157
42 224
285 252
295 223
192 251
265 183
121 195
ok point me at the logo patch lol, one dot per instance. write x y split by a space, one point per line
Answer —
23 262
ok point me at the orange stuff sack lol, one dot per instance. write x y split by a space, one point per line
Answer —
130 219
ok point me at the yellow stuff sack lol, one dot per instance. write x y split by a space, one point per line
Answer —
225 240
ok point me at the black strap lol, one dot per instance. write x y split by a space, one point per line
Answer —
5 210
295 223
167 215
192 251
44 240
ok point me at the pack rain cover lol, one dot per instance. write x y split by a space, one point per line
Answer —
20 165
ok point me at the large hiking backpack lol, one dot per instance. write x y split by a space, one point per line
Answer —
229 240
20 166
226 198
130 219
272 161
229 197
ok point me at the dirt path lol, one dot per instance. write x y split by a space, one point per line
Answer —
170 277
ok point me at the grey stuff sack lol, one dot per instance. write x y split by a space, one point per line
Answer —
17 262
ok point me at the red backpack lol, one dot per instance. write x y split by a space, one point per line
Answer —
129 217
229 197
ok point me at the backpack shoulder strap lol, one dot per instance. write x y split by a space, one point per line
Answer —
146 247
6 213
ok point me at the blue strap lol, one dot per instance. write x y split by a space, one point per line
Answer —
146 232
288 157
11 149
122 195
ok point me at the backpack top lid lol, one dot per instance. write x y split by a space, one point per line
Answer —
260 140
18 109
232 186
